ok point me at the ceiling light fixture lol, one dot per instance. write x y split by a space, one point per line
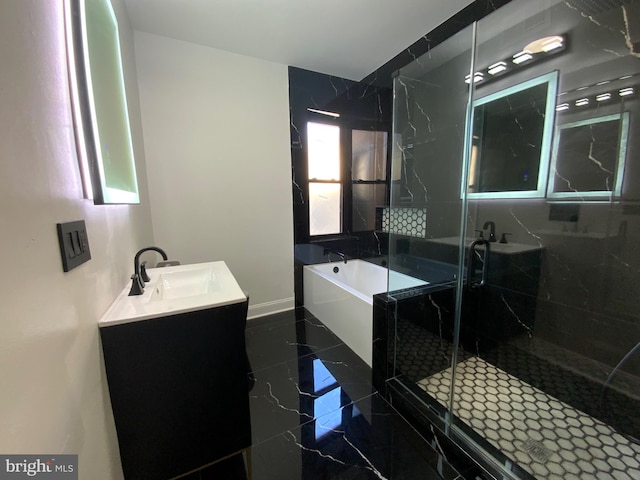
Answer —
582 102
603 97
562 107
477 77
545 44
552 43
497 68
522 57
624 92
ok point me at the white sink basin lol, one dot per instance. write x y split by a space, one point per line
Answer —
173 290
185 283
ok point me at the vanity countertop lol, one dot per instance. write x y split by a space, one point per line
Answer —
173 290
503 248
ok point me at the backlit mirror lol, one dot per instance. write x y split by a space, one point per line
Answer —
511 140
101 117
588 158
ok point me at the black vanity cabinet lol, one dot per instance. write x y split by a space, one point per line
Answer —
179 390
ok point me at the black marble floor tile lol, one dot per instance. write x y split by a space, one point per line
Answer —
286 339
233 468
362 440
284 394
316 415
288 316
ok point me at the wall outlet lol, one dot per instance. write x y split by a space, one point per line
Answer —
74 244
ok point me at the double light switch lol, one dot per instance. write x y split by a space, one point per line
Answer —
74 244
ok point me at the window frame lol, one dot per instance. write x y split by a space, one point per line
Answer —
347 126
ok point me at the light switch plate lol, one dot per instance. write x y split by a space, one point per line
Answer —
74 244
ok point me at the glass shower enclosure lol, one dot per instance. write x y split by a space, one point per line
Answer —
516 143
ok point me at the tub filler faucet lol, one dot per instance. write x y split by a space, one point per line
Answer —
329 251
140 272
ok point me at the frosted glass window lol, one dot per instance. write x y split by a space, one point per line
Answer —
325 201
366 197
369 155
324 151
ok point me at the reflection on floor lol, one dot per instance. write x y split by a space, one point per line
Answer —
545 436
315 415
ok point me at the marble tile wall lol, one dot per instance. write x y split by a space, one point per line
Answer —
568 324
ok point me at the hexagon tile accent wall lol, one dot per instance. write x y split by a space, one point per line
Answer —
411 222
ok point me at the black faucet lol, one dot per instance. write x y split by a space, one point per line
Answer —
492 232
328 251
140 275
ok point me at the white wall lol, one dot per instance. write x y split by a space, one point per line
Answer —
216 134
53 394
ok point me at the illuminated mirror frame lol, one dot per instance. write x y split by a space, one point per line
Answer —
623 135
551 79
99 102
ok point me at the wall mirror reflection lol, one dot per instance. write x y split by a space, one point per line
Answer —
511 140
588 158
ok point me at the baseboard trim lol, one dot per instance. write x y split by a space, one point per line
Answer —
269 308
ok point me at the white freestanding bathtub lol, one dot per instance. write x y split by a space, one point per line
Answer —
343 299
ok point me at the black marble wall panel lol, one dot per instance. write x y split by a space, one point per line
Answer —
360 106
356 103
473 12
566 321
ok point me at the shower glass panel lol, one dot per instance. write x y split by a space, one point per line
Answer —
426 231
526 349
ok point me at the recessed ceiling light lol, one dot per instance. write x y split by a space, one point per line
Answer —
603 97
626 91
562 107
582 102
